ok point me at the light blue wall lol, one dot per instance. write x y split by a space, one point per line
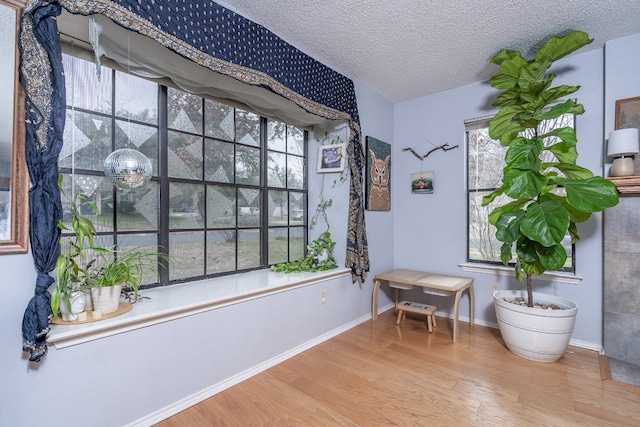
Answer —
120 379
430 230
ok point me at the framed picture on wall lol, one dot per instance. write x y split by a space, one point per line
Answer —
628 113
422 183
378 175
331 158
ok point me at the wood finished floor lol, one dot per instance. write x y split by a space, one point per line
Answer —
380 374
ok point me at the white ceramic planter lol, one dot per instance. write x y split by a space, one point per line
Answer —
106 299
533 333
77 306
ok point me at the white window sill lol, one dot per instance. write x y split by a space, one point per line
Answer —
177 301
500 270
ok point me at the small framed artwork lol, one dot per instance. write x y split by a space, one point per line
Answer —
378 175
331 158
628 113
422 183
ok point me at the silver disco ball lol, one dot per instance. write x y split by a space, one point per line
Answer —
127 168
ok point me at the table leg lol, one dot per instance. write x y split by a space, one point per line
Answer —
374 303
456 313
471 305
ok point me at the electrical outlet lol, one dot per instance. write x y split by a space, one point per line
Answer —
323 297
495 287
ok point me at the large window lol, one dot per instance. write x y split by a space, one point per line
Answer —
228 191
485 163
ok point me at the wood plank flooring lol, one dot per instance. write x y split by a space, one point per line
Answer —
380 374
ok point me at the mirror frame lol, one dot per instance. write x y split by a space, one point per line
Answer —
19 236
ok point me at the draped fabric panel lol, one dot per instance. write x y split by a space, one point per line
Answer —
43 78
214 38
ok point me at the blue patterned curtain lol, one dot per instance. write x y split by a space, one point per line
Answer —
43 79
215 38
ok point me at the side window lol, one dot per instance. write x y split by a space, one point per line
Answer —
485 166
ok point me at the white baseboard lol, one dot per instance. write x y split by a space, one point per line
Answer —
181 405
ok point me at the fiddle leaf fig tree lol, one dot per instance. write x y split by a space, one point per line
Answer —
547 193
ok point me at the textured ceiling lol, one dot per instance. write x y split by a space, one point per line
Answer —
405 49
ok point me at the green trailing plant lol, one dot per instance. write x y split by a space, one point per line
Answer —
547 192
319 257
82 265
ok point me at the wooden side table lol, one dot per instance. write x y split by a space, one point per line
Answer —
441 285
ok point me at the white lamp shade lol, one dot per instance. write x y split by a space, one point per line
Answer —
623 142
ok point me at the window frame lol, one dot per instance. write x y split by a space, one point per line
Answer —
163 181
479 124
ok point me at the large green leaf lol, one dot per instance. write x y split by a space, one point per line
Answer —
523 155
508 226
500 122
521 184
553 257
508 97
492 196
591 195
546 222
565 153
508 73
505 253
509 207
569 106
555 93
566 134
526 250
575 215
572 171
560 46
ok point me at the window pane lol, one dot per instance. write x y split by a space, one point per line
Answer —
249 204
221 202
247 128
247 165
485 160
186 206
138 137
84 88
138 208
185 155
144 243
278 245
86 141
295 172
296 243
483 244
186 252
219 120
295 140
218 161
248 249
99 190
136 98
278 207
297 208
276 169
276 135
221 251
184 111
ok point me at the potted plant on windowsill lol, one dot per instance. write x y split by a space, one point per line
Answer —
83 266
546 192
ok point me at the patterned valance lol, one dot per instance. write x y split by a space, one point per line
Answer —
208 35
